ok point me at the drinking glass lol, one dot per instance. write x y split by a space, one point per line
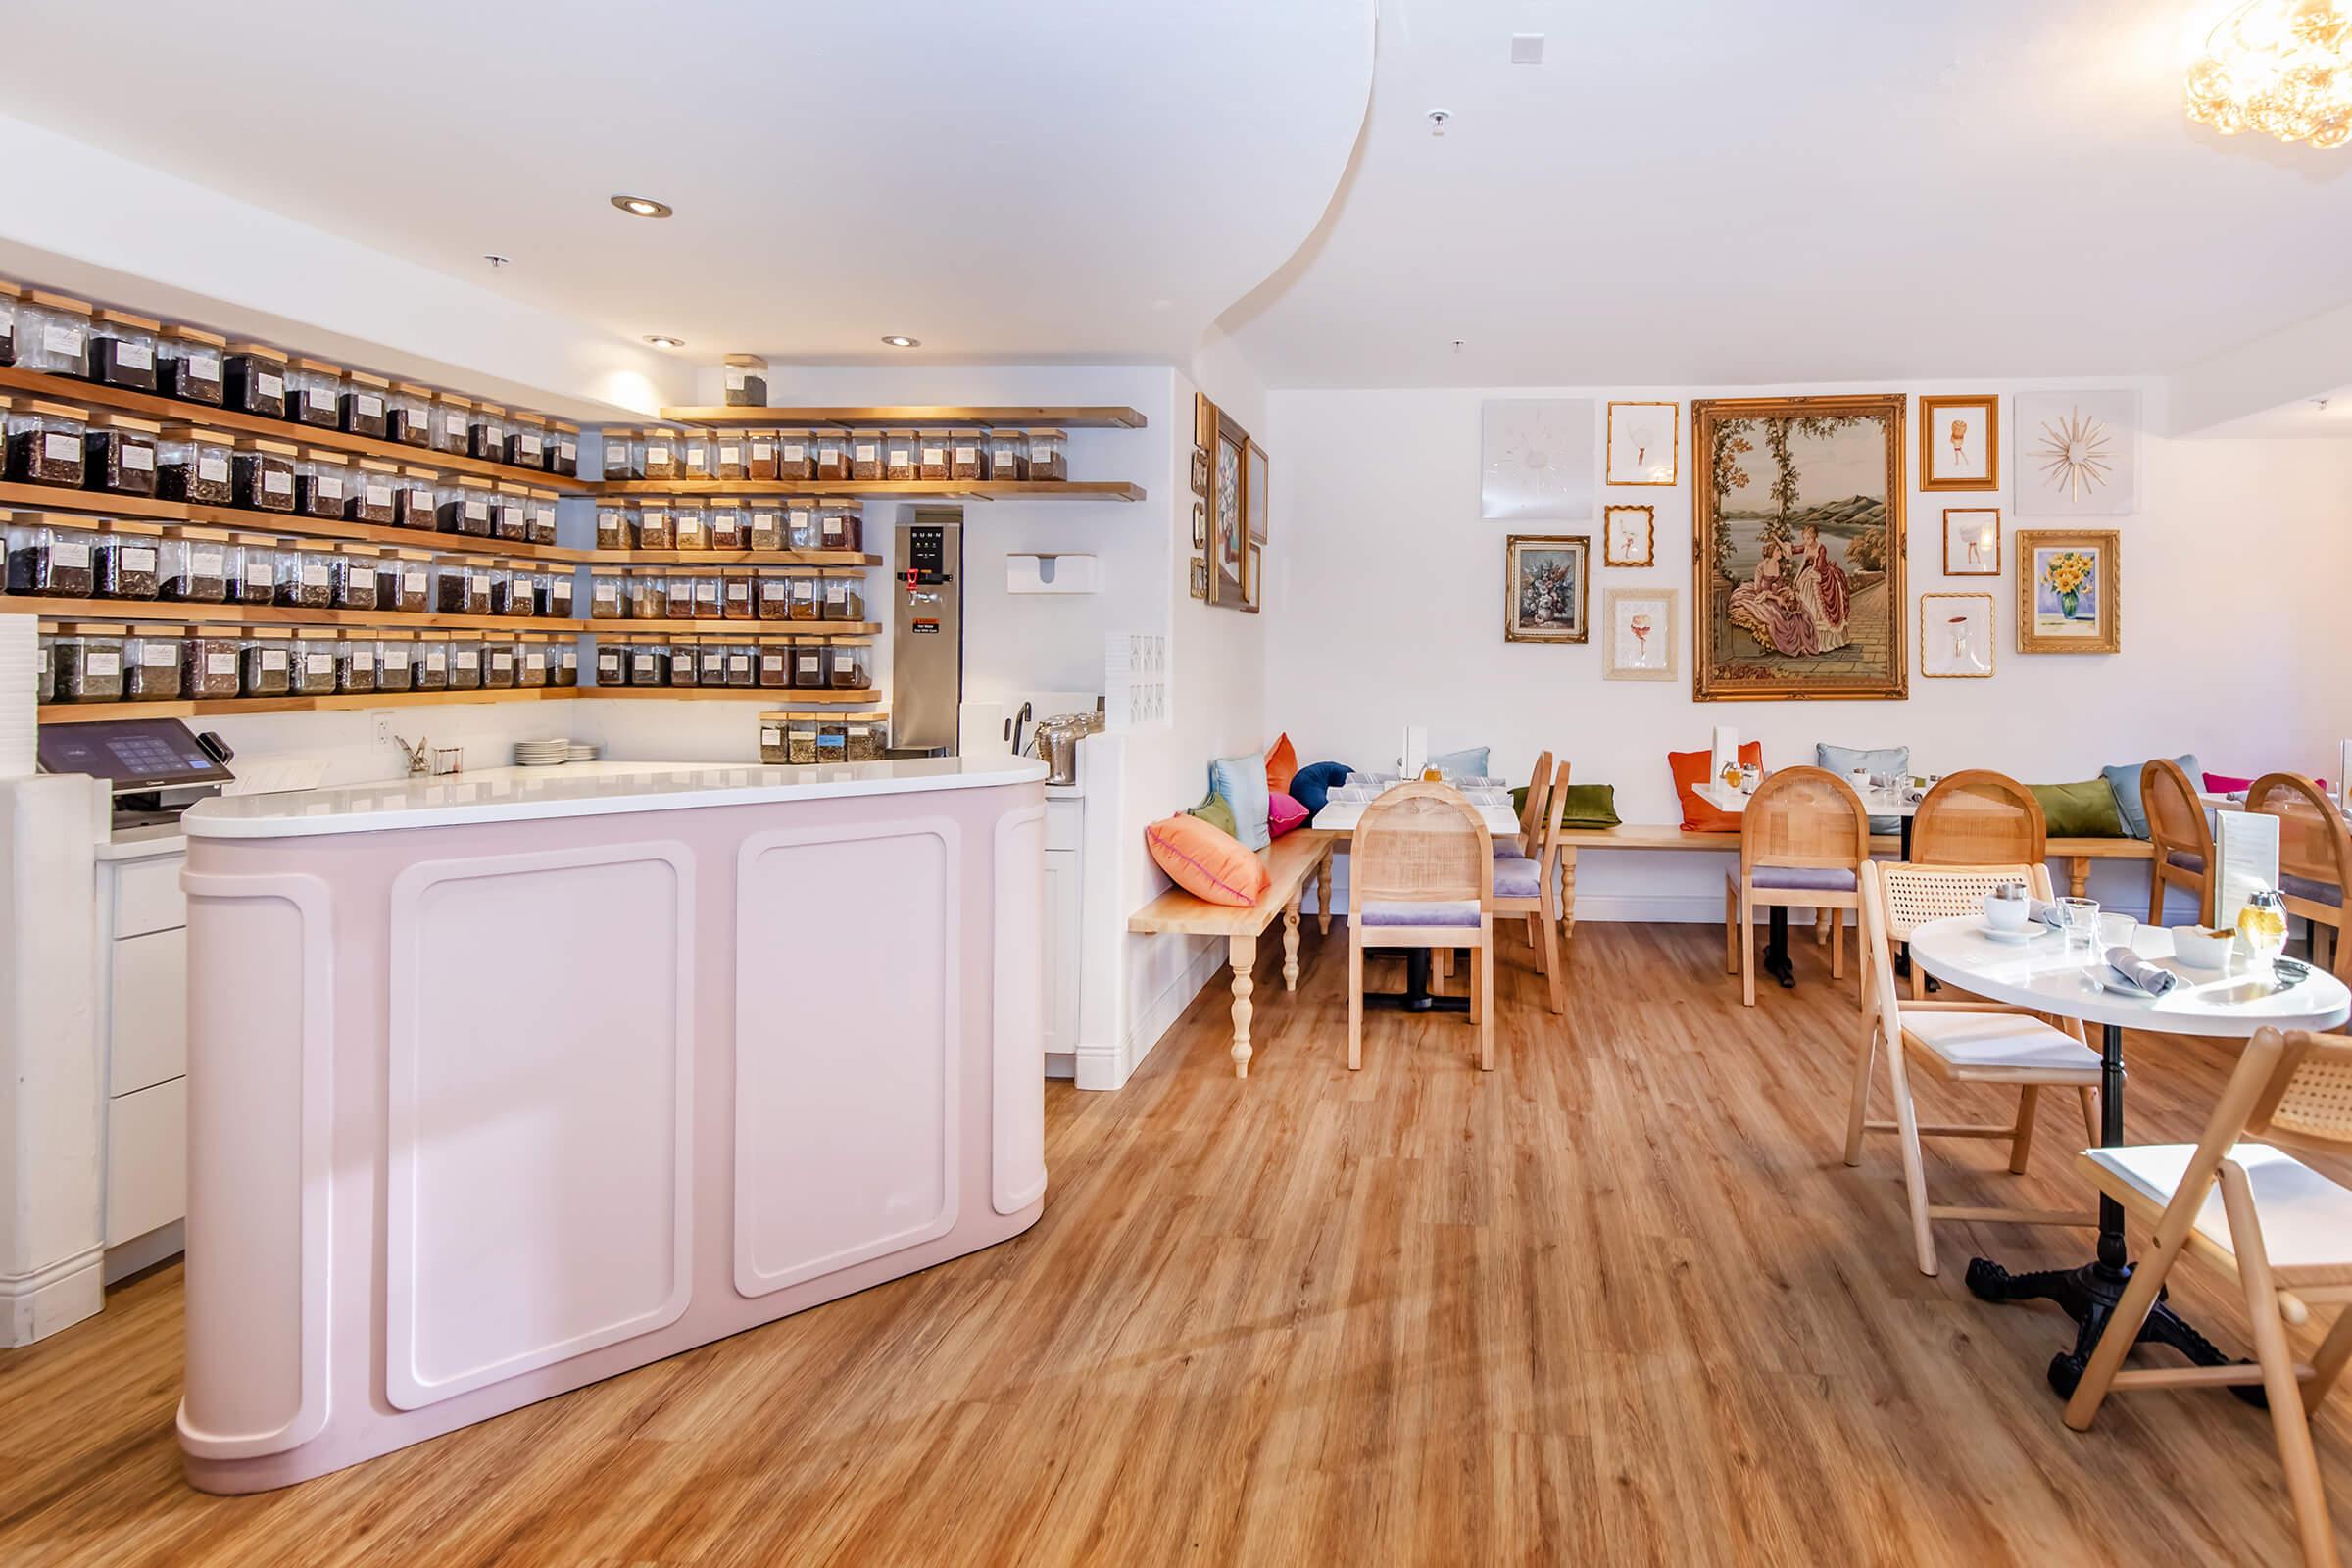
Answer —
2261 925
2117 930
2081 918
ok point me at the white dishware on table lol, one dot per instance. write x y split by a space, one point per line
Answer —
2203 948
2007 910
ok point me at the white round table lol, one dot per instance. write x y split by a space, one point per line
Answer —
2042 975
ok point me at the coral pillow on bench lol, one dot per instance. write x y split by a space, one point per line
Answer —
1211 865
1691 769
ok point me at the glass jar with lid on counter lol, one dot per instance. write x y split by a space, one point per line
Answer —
122 350
125 561
487 435
208 665
865 737
262 476
44 443
86 662
52 560
452 428
322 483
395 660
364 405
193 465
253 382
313 393
195 566
374 497
265 657
119 453
356 661
189 364
52 334
403 581
409 415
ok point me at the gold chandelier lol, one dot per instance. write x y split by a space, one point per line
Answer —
2281 67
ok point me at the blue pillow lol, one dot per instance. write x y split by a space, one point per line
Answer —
1469 763
2125 781
1241 783
1883 760
1312 785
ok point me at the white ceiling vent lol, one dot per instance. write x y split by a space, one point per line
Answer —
1527 48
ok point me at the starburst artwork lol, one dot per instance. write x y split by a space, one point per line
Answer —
2075 454
1537 457
2082 453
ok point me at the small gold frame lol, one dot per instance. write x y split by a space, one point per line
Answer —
1991 644
2110 635
1950 570
1650 537
1985 406
1674 447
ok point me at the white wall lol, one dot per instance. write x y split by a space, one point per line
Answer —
1386 603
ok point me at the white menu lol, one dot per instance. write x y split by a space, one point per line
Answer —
1722 750
2245 846
1416 755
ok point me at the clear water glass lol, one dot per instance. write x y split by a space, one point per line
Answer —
2117 930
2082 918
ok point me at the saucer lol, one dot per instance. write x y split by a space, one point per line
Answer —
2014 937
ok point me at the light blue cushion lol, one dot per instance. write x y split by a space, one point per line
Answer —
2125 781
1883 761
1469 763
1517 877
1312 785
1448 912
1241 783
1804 878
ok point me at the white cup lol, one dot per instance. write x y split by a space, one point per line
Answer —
2006 914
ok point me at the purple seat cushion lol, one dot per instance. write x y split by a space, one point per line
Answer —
2188 860
1804 878
2295 887
1517 877
1455 911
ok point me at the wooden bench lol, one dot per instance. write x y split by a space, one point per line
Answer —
1290 861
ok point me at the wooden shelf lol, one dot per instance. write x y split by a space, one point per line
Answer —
835 630
774 695
838 559
1069 416
244 520
339 703
855 489
176 612
147 406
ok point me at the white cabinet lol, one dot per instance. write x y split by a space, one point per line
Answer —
147 1010
1065 825
146 1161
143 1046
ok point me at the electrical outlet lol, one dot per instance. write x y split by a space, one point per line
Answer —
383 726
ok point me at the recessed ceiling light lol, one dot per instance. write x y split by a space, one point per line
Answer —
663 340
900 340
642 206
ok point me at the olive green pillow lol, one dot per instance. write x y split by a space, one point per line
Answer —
2085 810
1588 805
1216 814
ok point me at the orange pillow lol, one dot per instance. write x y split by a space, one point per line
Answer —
1691 769
1281 763
1205 862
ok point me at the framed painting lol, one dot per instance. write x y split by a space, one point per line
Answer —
1546 588
1629 536
2077 454
2068 592
1256 486
1253 582
1536 458
1971 541
1799 550
1955 636
1645 443
1200 577
1960 443
1642 630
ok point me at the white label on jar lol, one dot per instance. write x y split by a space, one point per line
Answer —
530 445
60 339
478 510
269 385
510 516
837 593
769 735
133 355
865 451
502 662
729 455
277 482
608 663
844 662
63 448
659 454
320 398
155 654
313 576
739 663
771 661
368 405
412 581
478 583
70 554
738 592
813 665
604 593
453 423
331 485
201 365
771 588
469 659
534 660
571 658
568 451
968 455
139 458
219 663
734 377
206 563
319 664
698 454
706 596
796 450
437 660
804 735
273 659
644 662
138 558
762 450
103 665
212 470
380 496
543 513
933 457
260 573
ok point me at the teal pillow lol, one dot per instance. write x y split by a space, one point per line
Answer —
1884 760
1469 763
2085 810
2125 783
1241 783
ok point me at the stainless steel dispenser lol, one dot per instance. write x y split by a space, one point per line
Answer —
926 631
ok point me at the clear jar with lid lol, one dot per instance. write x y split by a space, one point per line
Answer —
612 527
551 591
708 587
763 528
462 585
684 670
351 577
122 350
409 415
428 662
966 458
509 515
725 524
796 454
608 596
801 739
1048 457
403 581
743 665
10 297
374 497
308 581
776 666
262 474
257 563
772 598
682 586
189 364
452 428
933 450
395 654
763 456
539 517
52 334
45 671
119 453
89 664
657 454
846 667
311 672
866 457
649 595
829 456
194 465
805 593
711 660
526 442
612 663
313 392
743 378
126 562
464 505
690 527
867 736
619 457
267 661
649 664
808 666
419 498
771 740
563 663
901 452
653 529
511 592
530 661
52 561
497 663
730 456
254 380
698 454
354 661
844 599
804 529
464 662
735 596
365 406
486 437
840 526
562 449
832 741
194 567
44 443
208 667
322 483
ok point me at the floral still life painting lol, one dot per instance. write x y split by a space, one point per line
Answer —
1800 565
1546 588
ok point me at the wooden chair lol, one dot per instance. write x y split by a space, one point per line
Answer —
2315 856
2179 836
1802 840
1531 816
2282 1230
1978 817
1524 885
1421 874
1956 1041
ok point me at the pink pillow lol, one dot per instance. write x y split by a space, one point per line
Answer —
2224 784
1284 813
1208 863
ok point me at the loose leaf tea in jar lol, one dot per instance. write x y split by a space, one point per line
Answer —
263 479
366 406
452 427
313 392
374 497
52 334
259 562
745 379
54 561
125 564
255 381
419 498
194 566
321 481
403 581
89 665
562 449
119 454
308 581
46 443
526 441
409 415
122 350
194 465
931 448
151 669
209 665
189 364
267 659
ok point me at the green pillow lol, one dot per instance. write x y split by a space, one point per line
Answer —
2085 810
1216 814
1588 805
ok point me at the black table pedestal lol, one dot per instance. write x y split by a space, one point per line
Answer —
1415 996
1776 962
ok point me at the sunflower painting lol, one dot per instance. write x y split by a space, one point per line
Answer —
2066 590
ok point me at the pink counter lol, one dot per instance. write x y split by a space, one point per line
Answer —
500 1086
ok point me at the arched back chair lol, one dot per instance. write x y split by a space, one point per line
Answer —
2178 835
1978 817
2315 853
1802 840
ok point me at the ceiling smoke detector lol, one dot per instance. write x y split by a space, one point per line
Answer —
1527 48
1438 120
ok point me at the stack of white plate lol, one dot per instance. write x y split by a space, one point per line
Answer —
582 752
542 754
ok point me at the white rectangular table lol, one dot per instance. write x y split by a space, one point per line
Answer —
1342 816
1878 803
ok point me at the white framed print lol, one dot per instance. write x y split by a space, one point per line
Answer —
2077 454
1536 458
1644 441
1971 541
1640 627
1955 636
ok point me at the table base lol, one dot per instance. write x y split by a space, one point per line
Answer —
1415 996
2089 1294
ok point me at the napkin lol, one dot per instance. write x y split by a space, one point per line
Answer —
2131 969
2046 912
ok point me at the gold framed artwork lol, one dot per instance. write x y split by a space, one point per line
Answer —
1254 579
1629 536
1955 636
1971 541
1798 564
1200 577
1645 443
1642 630
1546 588
1960 443
2069 591
1255 488
1237 464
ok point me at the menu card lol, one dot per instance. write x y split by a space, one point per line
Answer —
1724 750
2245 848
1416 755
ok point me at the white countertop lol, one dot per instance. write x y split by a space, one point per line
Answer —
582 789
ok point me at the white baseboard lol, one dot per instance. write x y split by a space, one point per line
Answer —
36 1305
145 1251
1110 1066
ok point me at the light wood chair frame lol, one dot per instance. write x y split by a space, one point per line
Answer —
1883 1024
1367 869
1543 910
2317 847
2159 779
1831 846
2294 1091
1941 835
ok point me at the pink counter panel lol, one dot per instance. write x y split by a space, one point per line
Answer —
489 1108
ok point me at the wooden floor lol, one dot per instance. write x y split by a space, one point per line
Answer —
1618 1302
